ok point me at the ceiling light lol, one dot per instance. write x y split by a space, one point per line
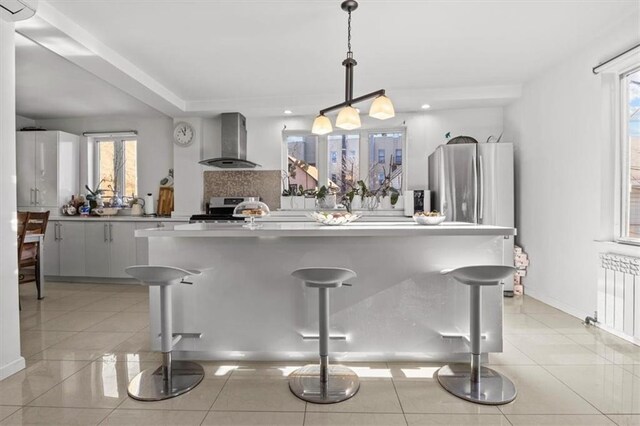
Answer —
425 106
349 117
288 111
321 125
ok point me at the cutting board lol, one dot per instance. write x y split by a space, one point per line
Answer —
165 201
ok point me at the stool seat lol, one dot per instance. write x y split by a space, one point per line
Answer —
482 275
324 277
159 275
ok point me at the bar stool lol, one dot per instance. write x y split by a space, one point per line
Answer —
324 383
172 378
476 383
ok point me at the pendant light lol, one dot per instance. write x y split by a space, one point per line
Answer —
349 117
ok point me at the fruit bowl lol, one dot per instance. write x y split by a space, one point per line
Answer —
433 218
106 211
334 218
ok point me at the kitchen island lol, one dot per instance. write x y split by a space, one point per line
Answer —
248 307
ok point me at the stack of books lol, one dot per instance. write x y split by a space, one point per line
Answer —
521 262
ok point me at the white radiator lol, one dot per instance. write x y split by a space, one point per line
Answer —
619 295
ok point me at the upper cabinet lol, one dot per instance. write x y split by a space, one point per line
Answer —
48 166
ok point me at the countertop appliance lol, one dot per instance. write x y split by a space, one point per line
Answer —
234 143
417 200
474 183
220 210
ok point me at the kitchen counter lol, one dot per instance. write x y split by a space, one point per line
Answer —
118 218
247 305
312 229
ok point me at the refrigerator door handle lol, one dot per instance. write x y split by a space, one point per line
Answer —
474 167
481 199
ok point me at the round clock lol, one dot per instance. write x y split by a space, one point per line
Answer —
183 134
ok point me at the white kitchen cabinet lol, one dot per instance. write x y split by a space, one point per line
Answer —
122 248
97 248
64 249
51 250
48 165
110 248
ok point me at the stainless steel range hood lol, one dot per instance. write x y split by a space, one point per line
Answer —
234 144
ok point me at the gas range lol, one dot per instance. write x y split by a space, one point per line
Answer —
220 210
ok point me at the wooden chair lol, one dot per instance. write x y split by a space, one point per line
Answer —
34 223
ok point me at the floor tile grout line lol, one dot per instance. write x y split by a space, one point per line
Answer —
572 390
610 419
397 395
220 392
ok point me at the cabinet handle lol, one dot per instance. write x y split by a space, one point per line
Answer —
37 191
60 232
110 232
31 191
105 233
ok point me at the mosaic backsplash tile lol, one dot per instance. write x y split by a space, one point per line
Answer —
249 183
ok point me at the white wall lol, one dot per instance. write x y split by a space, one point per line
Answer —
425 131
24 122
564 174
155 152
10 359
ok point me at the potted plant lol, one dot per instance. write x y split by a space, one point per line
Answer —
326 197
297 197
310 198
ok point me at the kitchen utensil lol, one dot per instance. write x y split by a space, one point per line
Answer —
137 210
165 201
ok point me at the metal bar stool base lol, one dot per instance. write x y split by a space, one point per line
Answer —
305 383
494 388
149 385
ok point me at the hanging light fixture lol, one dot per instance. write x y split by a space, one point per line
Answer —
349 117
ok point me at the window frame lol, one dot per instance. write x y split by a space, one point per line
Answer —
118 147
322 151
621 119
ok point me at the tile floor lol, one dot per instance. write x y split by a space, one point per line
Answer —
84 342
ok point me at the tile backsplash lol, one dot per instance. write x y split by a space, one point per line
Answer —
250 183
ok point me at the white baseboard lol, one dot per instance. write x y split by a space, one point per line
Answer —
556 304
12 368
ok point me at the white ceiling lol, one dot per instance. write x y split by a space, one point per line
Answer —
215 54
48 86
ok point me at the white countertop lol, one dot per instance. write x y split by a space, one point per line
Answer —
312 229
118 218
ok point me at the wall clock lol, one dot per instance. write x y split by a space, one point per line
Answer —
183 134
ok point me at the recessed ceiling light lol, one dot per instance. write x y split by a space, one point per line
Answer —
288 111
425 106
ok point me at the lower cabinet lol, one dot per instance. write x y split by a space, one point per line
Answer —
94 249
64 249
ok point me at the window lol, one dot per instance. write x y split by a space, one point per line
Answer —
388 167
302 161
344 167
631 133
117 169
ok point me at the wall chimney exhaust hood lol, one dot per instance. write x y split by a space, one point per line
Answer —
234 144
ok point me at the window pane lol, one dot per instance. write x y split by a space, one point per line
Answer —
302 161
633 132
344 160
130 168
106 170
385 159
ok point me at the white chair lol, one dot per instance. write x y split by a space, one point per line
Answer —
476 383
172 378
323 383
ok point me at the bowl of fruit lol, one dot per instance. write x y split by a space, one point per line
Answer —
429 218
334 218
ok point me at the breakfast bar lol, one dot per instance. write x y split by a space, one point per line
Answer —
247 305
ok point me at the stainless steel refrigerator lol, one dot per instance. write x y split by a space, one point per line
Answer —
474 183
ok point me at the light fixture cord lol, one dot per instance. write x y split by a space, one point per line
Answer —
349 35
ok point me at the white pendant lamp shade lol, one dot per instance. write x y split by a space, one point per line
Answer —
321 125
348 118
382 108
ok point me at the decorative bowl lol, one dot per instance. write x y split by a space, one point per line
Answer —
106 211
421 219
334 218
